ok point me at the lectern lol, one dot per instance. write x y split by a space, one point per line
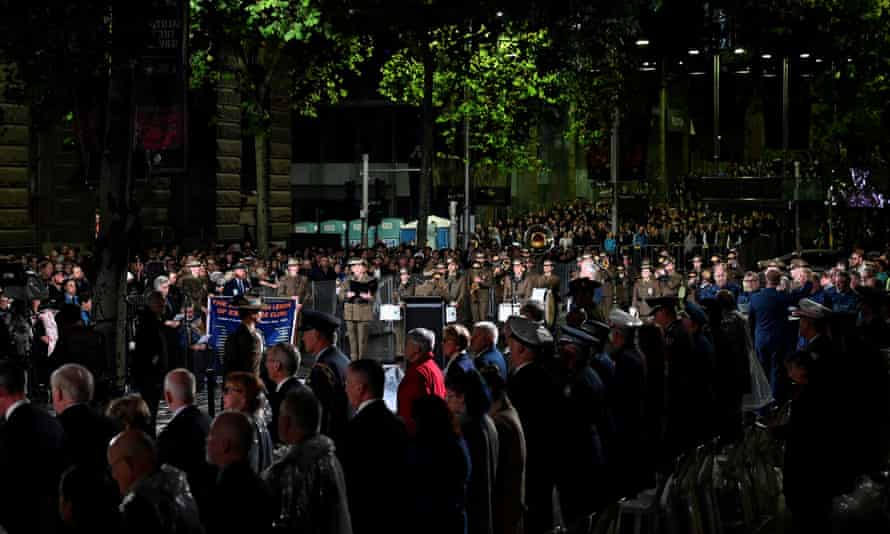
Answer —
429 313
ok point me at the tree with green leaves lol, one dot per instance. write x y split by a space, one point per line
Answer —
299 44
498 87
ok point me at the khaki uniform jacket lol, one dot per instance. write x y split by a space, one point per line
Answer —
480 295
431 288
359 310
642 291
296 286
457 289
518 290
670 286
402 290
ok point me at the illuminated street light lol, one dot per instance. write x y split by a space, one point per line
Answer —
642 42
693 52
804 56
739 51
500 14
766 56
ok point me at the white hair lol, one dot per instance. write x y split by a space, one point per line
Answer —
159 281
425 339
180 383
74 381
490 329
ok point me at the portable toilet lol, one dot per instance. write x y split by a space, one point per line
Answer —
389 232
306 227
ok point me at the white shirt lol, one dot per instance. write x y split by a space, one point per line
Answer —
178 410
13 406
362 406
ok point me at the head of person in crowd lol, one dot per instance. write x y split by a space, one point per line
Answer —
300 417
842 282
800 365
663 310
455 340
282 362
773 278
229 439
622 327
71 384
466 394
130 412
588 269
694 318
179 389
132 456
239 270
813 318
419 344
250 309
484 337
533 310
161 285
750 282
856 258
88 500
528 341
365 380
70 288
242 392
12 385
720 277
358 268
575 347
319 330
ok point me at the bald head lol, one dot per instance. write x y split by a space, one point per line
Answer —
132 456
230 438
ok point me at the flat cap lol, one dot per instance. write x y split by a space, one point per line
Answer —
621 319
316 320
576 336
657 303
809 309
597 329
529 333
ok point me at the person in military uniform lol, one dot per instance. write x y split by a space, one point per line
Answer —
432 286
623 287
479 281
405 288
358 310
645 288
518 287
500 269
688 387
457 290
193 285
606 277
551 282
327 379
582 416
531 271
244 347
671 281
628 395
583 290
295 284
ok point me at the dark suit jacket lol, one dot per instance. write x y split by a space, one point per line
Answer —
31 461
231 288
373 453
87 434
183 444
328 381
240 502
275 398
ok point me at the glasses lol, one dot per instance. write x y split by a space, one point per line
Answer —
229 389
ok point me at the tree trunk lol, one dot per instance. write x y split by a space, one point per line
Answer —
262 198
112 250
426 172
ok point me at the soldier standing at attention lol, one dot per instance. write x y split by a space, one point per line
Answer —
295 284
645 288
457 290
358 310
518 286
404 289
479 281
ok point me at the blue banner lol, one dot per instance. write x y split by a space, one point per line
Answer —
277 322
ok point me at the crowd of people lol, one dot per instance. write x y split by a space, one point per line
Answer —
589 394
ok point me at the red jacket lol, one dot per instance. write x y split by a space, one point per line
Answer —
422 378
